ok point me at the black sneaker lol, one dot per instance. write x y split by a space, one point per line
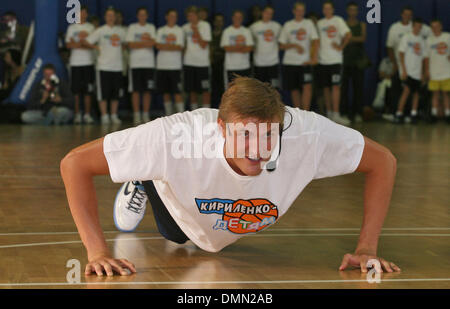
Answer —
414 119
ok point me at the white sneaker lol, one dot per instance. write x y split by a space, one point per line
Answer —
87 118
129 206
77 119
137 119
145 118
115 119
341 120
358 119
105 119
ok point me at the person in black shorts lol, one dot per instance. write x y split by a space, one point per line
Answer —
141 40
196 59
82 71
170 44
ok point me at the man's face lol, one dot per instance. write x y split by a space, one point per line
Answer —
237 19
267 14
192 17
203 15
352 11
436 27
48 74
142 16
417 27
110 17
299 12
328 10
219 22
83 16
407 15
171 18
249 143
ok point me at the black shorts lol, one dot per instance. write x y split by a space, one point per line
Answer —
109 85
141 80
82 79
196 79
414 85
330 75
268 75
164 221
230 74
168 81
295 76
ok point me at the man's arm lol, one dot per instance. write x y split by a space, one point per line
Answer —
78 169
379 166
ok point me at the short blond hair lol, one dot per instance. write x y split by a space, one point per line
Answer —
250 98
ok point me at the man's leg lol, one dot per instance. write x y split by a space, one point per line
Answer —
135 100
146 102
296 98
164 221
33 117
306 97
401 104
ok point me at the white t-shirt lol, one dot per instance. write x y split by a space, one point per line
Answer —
265 36
205 196
232 37
301 33
194 54
141 57
331 31
170 59
110 41
397 31
80 56
438 49
415 51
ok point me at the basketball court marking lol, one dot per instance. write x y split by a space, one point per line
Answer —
218 282
254 235
269 230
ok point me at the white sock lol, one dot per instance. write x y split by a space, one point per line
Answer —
194 106
434 111
447 112
414 113
206 105
180 107
168 108
399 114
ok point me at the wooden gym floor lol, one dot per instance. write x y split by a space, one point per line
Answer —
303 250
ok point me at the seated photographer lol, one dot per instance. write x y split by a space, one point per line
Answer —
51 100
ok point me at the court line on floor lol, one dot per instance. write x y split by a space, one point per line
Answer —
253 235
269 230
220 282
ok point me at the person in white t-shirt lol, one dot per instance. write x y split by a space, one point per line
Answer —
109 40
412 51
300 41
237 41
196 59
141 39
169 62
334 37
395 34
82 70
248 165
265 57
437 68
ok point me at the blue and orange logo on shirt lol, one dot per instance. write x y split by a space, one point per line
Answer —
240 216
